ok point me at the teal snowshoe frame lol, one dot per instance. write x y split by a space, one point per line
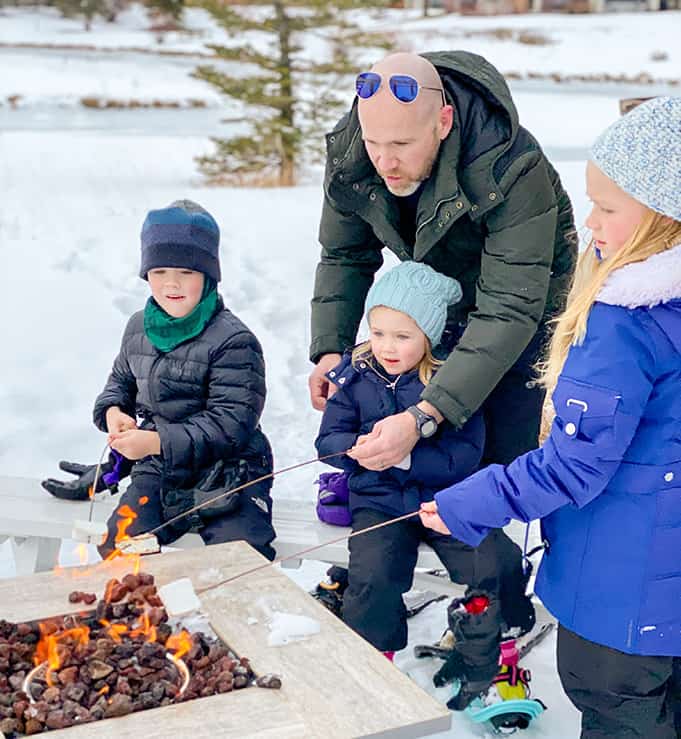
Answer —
501 714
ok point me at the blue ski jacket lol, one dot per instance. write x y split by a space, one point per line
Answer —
607 481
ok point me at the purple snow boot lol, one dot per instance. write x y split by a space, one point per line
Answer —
333 499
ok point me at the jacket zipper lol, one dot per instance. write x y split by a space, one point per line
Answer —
437 205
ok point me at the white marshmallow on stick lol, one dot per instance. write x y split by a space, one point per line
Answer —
179 597
89 532
140 544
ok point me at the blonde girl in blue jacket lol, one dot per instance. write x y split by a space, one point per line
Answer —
606 482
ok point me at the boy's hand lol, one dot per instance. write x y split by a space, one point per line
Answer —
431 519
117 421
136 444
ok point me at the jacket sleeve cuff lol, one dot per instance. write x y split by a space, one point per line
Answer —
326 345
456 413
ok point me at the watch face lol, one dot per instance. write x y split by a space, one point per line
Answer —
428 428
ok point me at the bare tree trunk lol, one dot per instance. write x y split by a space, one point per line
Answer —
286 113
425 8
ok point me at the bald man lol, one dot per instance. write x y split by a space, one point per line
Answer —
432 163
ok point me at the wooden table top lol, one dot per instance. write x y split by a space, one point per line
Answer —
334 683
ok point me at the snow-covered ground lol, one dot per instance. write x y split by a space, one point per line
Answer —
77 184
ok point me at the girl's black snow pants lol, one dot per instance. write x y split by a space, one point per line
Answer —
381 569
627 696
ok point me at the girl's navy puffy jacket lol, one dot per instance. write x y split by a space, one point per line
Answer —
607 481
204 398
367 394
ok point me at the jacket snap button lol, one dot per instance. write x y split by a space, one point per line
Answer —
332 139
463 419
459 204
332 374
341 381
492 196
335 160
474 208
669 476
355 187
440 224
362 365
372 196
570 429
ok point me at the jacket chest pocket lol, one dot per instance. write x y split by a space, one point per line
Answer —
585 412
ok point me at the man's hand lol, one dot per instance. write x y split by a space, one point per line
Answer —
389 442
117 421
431 519
320 387
136 444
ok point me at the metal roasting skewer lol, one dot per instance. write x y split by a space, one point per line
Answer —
278 560
297 555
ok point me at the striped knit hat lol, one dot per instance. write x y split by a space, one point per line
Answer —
419 291
641 153
181 235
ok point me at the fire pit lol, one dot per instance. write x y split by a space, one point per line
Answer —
334 683
123 656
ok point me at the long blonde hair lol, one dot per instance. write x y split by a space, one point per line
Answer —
655 233
427 366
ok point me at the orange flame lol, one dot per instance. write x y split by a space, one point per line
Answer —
127 516
47 648
145 629
103 691
180 643
114 630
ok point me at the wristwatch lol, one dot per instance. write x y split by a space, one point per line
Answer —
426 425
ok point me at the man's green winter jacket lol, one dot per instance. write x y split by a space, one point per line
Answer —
493 214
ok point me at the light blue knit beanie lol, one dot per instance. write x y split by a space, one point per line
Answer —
641 153
419 291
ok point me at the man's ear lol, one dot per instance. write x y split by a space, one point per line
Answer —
445 121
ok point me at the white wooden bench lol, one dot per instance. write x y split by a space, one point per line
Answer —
36 522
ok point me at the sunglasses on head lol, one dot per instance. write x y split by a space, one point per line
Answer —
403 86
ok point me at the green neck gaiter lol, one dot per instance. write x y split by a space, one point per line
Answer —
166 332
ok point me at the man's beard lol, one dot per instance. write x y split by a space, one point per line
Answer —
410 186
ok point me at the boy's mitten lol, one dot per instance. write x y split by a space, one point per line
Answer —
79 489
475 622
220 478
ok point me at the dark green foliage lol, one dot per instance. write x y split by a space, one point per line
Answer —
291 97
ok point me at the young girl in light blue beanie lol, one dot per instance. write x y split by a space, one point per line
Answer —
406 311
606 481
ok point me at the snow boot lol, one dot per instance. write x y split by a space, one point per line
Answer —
475 622
517 609
330 591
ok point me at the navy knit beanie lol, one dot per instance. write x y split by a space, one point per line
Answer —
181 235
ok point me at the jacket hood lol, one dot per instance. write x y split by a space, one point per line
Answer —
484 110
645 284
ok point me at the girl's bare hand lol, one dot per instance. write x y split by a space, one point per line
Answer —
431 519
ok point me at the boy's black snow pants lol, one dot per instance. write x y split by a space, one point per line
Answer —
252 521
381 569
627 696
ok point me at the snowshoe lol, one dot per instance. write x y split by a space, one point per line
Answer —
507 704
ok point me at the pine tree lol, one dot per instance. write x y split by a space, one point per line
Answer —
294 97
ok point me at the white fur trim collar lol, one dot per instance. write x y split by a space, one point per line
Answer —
654 281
